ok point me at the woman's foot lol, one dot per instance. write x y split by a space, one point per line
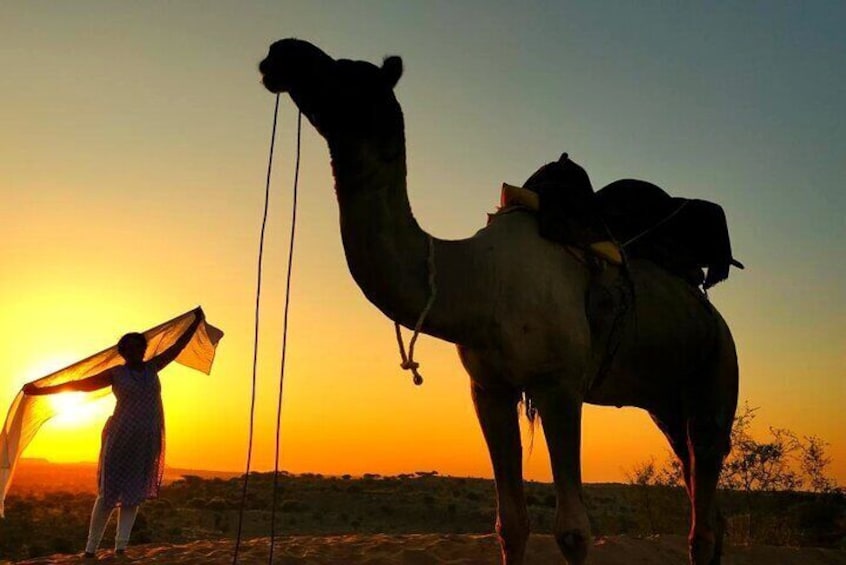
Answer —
89 555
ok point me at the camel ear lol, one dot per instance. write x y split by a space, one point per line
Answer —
392 69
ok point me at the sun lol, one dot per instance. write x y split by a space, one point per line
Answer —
74 409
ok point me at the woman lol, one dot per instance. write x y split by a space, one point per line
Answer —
132 452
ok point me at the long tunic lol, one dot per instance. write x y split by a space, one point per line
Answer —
132 453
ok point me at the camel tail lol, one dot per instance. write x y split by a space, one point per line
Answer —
527 406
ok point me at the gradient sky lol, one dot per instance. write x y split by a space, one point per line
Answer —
133 146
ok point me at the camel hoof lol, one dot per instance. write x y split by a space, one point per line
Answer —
702 552
573 545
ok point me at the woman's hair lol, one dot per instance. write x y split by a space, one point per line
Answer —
125 341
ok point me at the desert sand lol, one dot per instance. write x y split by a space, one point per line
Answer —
426 549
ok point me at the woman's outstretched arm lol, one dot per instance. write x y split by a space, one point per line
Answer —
164 358
94 382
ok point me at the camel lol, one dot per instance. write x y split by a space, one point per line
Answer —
515 306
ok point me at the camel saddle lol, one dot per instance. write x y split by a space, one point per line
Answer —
631 217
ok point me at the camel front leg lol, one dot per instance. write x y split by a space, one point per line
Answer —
560 410
496 408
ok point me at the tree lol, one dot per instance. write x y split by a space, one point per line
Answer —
813 461
670 474
779 462
643 475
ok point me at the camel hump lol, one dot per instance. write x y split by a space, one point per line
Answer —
682 235
688 237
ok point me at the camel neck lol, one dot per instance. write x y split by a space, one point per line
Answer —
387 252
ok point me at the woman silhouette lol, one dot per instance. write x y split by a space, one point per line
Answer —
132 451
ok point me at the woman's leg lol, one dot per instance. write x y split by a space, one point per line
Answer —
99 517
126 519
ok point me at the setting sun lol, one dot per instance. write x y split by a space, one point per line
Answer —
75 409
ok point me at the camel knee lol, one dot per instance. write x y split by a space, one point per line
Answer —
709 444
709 437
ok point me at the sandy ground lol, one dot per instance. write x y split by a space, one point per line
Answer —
426 549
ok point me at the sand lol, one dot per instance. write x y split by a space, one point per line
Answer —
432 549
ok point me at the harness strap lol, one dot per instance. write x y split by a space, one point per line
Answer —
657 225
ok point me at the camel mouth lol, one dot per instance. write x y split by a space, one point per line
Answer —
270 79
274 85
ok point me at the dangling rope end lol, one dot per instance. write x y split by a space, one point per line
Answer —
409 365
408 362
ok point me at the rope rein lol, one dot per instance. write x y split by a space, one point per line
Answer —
408 362
256 333
285 336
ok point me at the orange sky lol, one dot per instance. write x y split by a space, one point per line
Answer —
133 153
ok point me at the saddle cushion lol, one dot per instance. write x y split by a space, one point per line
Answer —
512 196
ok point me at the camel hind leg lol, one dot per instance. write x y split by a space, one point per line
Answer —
674 427
700 443
712 404
708 443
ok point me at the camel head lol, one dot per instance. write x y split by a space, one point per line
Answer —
343 99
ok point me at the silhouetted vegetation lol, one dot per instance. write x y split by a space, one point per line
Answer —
195 508
774 491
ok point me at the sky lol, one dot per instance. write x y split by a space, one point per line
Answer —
133 150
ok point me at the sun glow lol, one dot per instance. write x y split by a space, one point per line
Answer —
74 409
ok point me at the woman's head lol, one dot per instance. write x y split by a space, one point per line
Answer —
132 347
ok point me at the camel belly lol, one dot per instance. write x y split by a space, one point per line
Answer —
667 342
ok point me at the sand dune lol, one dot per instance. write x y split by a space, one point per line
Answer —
434 549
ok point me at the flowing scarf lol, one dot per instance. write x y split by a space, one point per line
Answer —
28 413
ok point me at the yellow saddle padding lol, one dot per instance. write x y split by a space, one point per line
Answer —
518 196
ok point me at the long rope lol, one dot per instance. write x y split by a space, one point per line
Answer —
285 337
256 333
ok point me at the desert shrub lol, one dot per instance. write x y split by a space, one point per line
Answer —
197 503
217 504
760 481
292 505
